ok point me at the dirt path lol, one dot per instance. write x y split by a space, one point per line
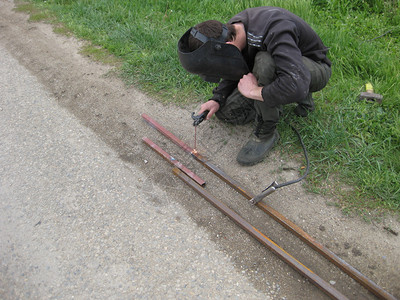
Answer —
113 111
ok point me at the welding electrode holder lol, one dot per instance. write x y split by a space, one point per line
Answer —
269 190
199 118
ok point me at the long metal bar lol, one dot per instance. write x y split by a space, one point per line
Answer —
289 225
173 161
264 240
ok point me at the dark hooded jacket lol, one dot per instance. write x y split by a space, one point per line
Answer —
287 38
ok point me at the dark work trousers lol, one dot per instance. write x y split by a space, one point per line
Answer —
240 110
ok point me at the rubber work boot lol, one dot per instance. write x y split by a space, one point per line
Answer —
258 146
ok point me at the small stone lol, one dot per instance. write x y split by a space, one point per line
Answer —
332 282
356 252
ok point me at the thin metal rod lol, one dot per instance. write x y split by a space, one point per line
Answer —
264 240
289 225
173 161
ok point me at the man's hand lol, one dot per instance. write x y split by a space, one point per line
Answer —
248 87
212 107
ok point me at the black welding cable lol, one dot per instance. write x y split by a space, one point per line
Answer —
277 186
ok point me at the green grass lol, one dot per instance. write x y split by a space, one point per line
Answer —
35 13
351 143
99 54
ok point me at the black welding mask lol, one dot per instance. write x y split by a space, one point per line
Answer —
214 59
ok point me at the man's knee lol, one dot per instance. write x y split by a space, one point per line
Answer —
320 74
238 110
236 117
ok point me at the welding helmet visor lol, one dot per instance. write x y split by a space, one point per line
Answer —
214 59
